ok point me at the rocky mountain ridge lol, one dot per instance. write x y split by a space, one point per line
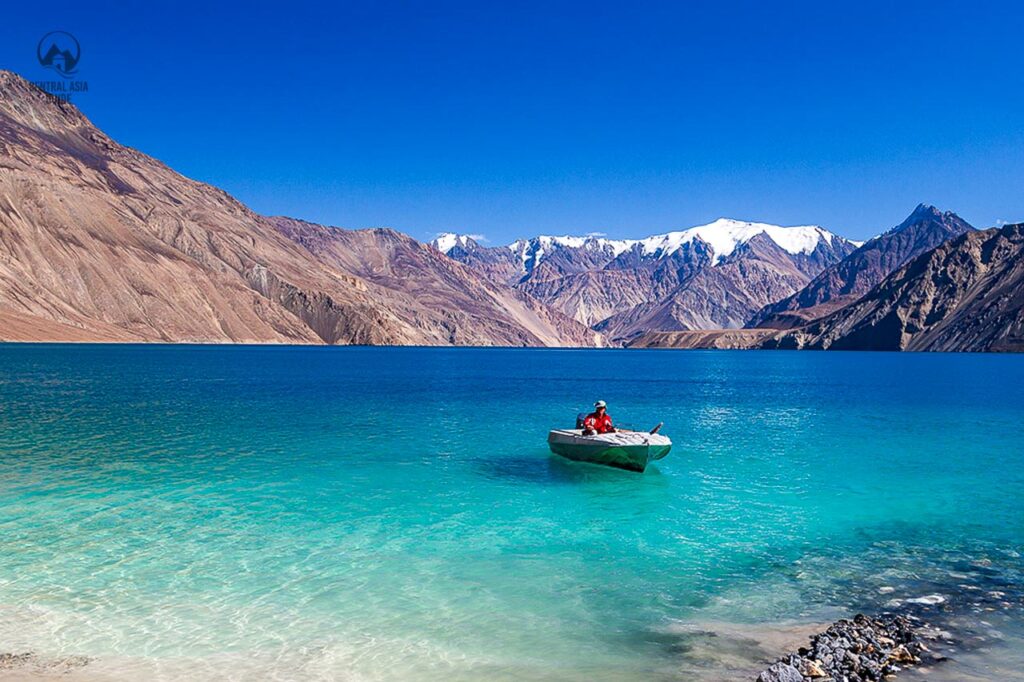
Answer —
721 238
708 276
846 281
966 294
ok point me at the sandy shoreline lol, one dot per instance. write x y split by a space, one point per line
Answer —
708 651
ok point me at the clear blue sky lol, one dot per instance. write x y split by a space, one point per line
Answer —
513 119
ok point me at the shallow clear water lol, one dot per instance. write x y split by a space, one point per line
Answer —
358 513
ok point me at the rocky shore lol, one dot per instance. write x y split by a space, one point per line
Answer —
859 649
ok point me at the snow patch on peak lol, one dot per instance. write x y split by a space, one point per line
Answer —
724 235
446 241
617 246
531 251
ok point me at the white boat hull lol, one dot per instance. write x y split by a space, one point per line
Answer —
632 450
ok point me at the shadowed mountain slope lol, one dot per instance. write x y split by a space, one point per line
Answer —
965 295
846 281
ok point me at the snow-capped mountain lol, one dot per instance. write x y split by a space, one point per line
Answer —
447 241
722 237
617 284
530 252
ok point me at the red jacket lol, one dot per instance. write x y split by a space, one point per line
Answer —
602 423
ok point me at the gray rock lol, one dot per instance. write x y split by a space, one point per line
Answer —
780 672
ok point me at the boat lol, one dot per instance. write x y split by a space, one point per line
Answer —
632 450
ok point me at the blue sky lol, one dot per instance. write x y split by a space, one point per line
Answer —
513 119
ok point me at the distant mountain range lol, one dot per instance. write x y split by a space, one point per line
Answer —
711 276
932 282
99 242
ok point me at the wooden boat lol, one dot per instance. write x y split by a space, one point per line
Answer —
631 450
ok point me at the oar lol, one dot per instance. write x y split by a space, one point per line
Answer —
655 429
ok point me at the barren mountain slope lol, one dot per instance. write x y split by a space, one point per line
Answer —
440 294
101 239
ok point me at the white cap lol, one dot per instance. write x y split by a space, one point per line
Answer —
600 403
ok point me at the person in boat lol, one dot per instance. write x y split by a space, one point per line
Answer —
598 421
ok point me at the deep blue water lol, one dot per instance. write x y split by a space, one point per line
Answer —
387 513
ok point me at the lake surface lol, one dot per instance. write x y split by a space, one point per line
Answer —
184 512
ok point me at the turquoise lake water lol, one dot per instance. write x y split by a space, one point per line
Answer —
184 512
